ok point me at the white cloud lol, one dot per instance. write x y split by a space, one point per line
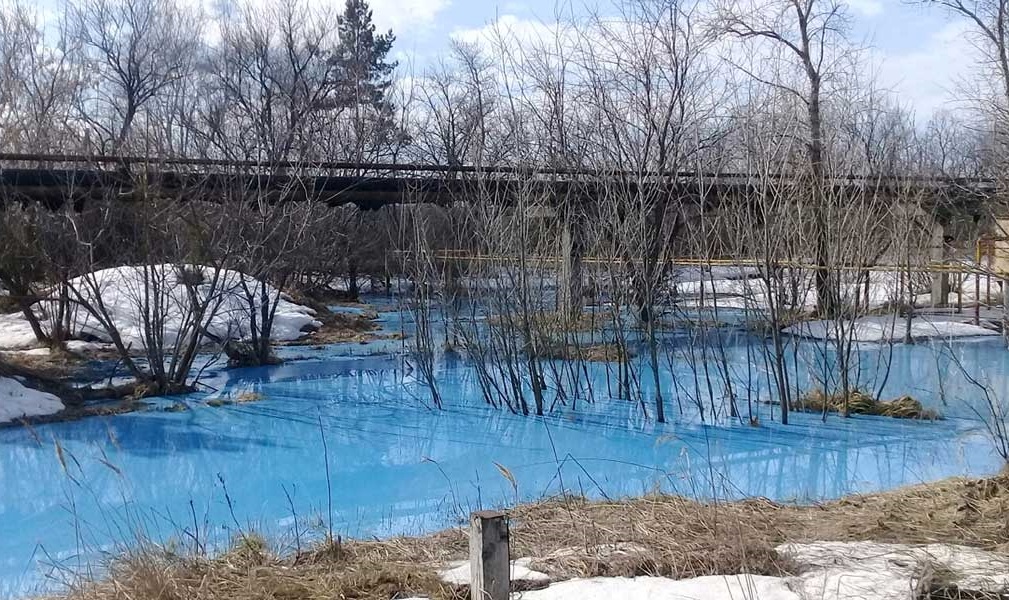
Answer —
866 8
928 76
925 74
405 17
513 28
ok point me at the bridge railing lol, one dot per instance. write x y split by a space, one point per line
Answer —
12 160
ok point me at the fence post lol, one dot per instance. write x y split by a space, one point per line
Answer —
489 556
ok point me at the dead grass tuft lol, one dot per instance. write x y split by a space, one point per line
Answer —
250 571
590 353
55 365
860 403
552 323
660 535
248 397
953 592
340 327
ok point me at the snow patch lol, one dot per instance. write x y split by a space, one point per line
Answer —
458 572
80 347
886 328
736 587
124 290
858 570
16 333
30 352
17 401
829 571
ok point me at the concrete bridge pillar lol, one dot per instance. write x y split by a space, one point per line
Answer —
569 272
937 254
569 285
1000 248
1000 264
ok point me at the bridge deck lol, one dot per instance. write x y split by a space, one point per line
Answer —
56 178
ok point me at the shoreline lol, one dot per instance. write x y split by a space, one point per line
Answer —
571 538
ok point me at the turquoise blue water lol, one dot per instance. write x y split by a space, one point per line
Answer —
398 465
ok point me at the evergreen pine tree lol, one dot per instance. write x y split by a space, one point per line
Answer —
365 74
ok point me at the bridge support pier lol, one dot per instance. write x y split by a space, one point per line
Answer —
940 279
1000 264
569 285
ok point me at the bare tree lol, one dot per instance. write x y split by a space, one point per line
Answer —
457 100
39 85
811 33
134 49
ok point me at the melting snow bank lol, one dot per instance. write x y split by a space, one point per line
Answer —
827 571
886 329
740 587
17 401
125 291
855 570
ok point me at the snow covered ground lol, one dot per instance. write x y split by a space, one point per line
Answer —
850 571
18 401
737 287
15 333
124 291
828 571
886 328
742 587
740 287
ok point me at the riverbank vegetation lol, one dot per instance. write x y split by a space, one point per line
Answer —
568 537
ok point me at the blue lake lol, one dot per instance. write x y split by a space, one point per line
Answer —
397 465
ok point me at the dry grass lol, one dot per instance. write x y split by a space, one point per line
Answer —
250 571
860 403
75 413
952 592
240 398
342 327
248 397
571 537
662 535
590 353
54 365
551 324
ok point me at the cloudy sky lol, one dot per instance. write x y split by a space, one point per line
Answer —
918 52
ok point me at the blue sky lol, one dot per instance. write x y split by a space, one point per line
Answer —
918 52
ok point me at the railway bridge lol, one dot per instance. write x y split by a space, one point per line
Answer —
56 180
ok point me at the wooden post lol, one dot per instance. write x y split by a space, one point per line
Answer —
489 556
